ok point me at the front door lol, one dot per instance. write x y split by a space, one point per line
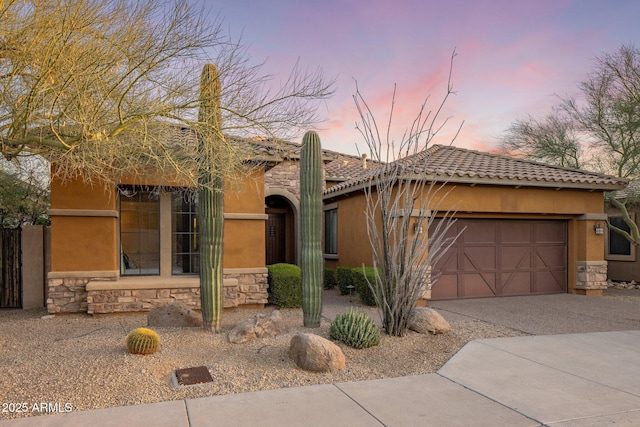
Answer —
275 238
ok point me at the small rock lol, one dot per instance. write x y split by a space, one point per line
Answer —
317 354
259 327
174 315
426 319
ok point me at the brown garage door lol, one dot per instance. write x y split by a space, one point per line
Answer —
503 257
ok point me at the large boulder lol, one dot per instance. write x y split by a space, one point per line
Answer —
314 353
426 320
260 326
173 315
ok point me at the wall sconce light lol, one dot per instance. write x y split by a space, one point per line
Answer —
417 229
598 228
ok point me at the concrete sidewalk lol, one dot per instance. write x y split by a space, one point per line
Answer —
590 379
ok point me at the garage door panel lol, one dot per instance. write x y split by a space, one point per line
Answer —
515 257
479 284
477 232
446 287
479 258
551 257
548 282
514 232
504 257
515 283
552 231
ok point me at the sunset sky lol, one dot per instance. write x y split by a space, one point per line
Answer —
514 57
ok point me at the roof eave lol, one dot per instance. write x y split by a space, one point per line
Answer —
558 185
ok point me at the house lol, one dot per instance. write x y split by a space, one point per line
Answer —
621 255
527 228
130 247
134 246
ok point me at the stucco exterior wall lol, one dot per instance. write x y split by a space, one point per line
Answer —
85 247
585 249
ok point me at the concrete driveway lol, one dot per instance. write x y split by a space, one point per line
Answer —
618 310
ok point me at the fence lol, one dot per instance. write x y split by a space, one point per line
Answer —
10 268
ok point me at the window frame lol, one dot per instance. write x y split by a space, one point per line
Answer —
619 257
333 207
137 192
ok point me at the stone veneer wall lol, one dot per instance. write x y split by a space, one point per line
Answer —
70 295
591 275
284 176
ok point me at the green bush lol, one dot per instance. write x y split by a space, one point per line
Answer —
345 279
285 289
355 328
360 278
329 278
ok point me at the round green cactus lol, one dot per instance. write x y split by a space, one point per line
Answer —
355 328
143 341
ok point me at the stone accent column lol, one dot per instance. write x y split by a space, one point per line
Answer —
591 277
591 267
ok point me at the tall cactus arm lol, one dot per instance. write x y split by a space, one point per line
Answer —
210 199
311 228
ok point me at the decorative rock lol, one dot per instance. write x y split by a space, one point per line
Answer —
174 315
425 319
317 354
259 327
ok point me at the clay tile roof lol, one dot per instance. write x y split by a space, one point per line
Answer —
631 192
338 166
459 165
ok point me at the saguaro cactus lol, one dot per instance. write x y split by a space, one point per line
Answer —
210 198
311 230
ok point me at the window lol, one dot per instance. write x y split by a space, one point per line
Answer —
331 230
139 232
184 235
617 246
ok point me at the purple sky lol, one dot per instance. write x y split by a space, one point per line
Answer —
513 56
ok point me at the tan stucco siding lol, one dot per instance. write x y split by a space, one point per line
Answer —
82 240
496 199
75 194
246 196
83 244
244 243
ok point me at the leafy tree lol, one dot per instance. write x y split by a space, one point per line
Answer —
24 199
106 89
604 121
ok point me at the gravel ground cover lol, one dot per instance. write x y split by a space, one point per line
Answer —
78 362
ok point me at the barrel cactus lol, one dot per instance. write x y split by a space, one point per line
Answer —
143 341
311 228
355 328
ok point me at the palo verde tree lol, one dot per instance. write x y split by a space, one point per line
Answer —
110 89
598 130
403 195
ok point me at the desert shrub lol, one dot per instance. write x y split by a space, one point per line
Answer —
143 341
345 279
360 277
329 278
355 328
285 289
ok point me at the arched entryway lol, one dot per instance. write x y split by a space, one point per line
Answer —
280 230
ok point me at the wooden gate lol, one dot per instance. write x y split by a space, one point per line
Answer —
10 268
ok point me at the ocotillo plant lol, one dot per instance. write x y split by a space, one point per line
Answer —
210 198
311 230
